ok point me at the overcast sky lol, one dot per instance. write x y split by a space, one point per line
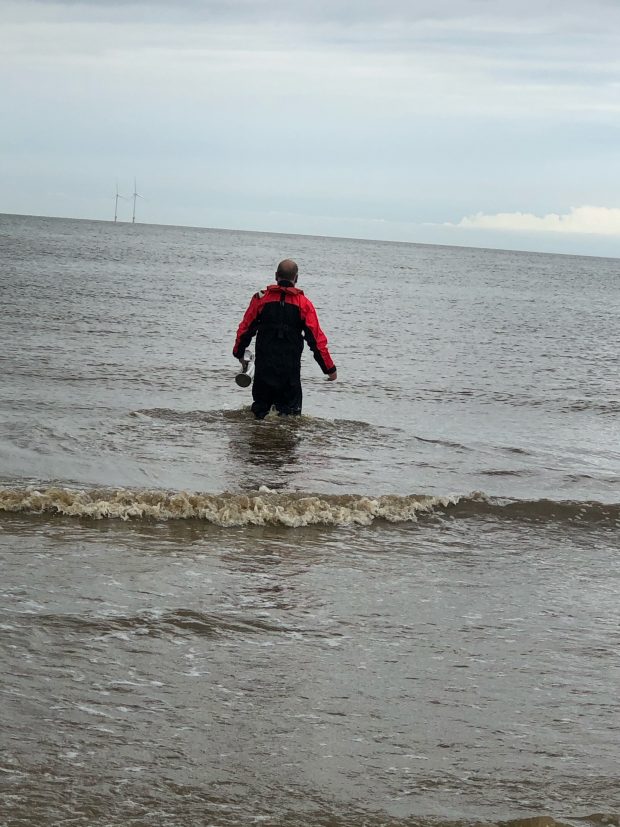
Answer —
476 122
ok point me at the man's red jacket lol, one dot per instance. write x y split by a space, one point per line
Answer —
282 317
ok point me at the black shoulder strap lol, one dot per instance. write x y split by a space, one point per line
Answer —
282 315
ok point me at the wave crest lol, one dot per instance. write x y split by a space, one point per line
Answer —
261 508
295 509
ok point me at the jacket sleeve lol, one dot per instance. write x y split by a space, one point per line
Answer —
316 339
247 328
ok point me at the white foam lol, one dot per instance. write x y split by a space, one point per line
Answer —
262 508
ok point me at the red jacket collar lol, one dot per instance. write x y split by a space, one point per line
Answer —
278 288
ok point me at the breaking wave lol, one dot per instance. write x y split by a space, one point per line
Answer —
266 507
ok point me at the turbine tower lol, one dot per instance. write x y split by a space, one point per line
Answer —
116 202
135 195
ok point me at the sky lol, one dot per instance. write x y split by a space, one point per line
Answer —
492 123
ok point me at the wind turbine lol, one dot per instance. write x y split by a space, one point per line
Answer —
135 195
116 202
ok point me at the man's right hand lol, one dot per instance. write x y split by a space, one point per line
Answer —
332 376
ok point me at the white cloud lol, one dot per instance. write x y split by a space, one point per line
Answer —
586 219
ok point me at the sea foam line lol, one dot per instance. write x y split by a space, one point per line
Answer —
294 509
227 509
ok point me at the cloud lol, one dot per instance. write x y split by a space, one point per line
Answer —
449 21
526 14
584 220
466 55
430 68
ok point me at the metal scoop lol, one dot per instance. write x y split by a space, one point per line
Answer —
244 378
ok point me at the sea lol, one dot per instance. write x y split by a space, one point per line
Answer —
401 608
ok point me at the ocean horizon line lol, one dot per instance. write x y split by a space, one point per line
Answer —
312 235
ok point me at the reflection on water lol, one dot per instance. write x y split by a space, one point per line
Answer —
265 452
309 452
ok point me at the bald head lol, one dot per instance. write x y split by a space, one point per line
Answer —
287 271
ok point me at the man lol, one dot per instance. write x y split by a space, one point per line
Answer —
281 317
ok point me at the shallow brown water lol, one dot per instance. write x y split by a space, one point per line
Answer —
455 669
